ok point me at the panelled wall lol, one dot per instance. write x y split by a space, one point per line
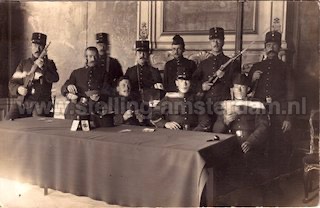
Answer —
71 26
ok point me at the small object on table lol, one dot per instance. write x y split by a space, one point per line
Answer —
148 130
125 130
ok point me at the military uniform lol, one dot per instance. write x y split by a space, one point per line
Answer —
111 65
120 105
38 99
86 79
182 110
221 89
143 78
275 85
113 69
174 67
207 68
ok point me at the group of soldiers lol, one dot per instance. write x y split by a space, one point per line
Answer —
187 97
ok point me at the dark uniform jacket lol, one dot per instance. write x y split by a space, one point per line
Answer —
174 67
114 70
143 78
86 79
221 89
42 87
183 110
274 82
120 105
251 124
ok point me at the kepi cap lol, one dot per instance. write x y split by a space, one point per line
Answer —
102 38
39 38
216 32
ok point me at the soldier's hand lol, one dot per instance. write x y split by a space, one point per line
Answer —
22 90
256 75
95 97
37 75
71 96
39 62
229 118
245 146
286 126
72 89
206 86
158 86
139 116
172 125
128 114
220 73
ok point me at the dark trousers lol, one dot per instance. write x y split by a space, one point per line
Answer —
29 109
279 147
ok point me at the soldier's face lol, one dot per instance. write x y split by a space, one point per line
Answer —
103 49
142 57
239 91
272 49
216 45
124 88
36 49
177 51
92 58
183 85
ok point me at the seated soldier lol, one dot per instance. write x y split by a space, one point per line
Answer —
180 110
84 90
125 107
247 120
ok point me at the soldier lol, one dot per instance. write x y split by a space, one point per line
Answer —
127 110
272 84
179 63
219 91
247 120
32 82
180 110
111 65
84 88
146 81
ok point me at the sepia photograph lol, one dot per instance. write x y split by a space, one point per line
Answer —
167 103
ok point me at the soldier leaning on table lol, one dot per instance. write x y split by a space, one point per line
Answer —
33 89
125 106
182 109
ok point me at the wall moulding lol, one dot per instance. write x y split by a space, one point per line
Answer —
160 19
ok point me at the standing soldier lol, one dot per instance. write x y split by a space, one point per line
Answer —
271 84
32 82
146 81
111 65
210 67
179 63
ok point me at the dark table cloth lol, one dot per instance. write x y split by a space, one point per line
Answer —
161 168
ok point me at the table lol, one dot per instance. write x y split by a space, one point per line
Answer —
161 168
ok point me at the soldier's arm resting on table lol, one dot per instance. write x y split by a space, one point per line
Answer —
158 114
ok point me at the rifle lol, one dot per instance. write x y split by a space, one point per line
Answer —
30 76
223 67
